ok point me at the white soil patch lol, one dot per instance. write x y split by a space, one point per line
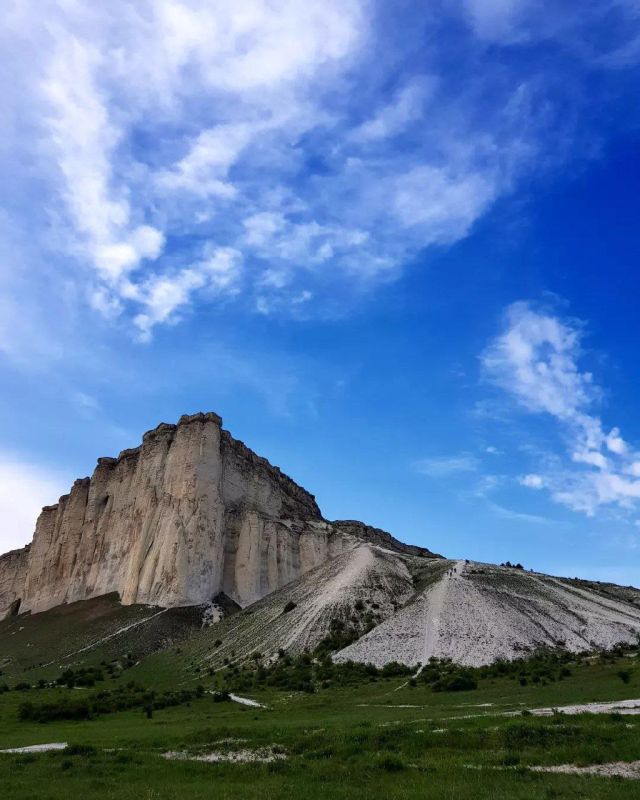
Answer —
612 707
246 701
36 748
614 769
261 755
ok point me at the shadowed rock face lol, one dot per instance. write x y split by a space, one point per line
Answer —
189 513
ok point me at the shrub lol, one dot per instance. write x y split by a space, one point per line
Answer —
390 763
80 750
105 702
624 675
456 682
289 607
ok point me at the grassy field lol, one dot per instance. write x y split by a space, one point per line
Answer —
372 740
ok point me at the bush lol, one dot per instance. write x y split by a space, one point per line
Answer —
456 682
106 702
289 607
390 763
624 675
80 750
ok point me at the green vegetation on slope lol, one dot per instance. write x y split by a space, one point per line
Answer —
363 735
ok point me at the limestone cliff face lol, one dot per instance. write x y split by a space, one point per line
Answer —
13 574
189 513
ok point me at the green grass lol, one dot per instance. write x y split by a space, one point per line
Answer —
368 741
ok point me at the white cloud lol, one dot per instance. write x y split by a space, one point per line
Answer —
24 489
204 169
405 108
444 466
443 202
162 296
615 443
536 361
532 481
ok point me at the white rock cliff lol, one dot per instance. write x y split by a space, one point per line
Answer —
189 513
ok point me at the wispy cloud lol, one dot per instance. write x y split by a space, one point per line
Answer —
519 516
536 360
296 136
445 466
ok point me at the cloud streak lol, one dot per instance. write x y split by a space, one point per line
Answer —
446 466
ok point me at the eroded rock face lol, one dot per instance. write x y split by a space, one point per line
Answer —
13 574
190 513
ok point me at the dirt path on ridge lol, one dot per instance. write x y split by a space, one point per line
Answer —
437 600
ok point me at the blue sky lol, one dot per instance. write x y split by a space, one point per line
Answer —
395 247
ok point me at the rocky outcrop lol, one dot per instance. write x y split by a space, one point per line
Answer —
189 513
377 536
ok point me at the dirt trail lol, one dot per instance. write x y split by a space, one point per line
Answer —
437 599
107 638
434 602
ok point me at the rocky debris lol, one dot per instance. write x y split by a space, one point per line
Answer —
220 607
